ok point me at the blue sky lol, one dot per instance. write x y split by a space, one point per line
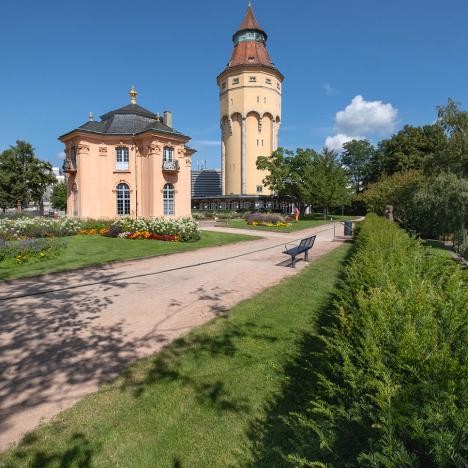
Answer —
382 64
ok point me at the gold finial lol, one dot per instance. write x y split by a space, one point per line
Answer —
133 95
91 117
250 5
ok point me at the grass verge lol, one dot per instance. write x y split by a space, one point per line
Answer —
306 223
84 251
196 403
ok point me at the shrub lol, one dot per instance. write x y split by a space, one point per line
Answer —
25 227
186 229
265 219
30 249
392 389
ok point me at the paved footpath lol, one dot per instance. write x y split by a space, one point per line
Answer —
60 345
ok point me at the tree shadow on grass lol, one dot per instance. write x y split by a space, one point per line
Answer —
78 453
275 437
209 387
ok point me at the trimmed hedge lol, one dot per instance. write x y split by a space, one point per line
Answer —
389 385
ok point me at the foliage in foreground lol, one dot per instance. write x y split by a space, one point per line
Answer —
392 389
185 229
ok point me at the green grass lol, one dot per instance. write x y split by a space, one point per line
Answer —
83 251
202 401
308 222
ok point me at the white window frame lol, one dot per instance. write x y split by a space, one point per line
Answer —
168 154
122 195
121 158
168 199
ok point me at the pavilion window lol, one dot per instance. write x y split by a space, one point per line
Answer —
121 158
168 154
123 199
168 199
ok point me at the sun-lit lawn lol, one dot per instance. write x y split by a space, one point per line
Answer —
204 399
306 222
82 251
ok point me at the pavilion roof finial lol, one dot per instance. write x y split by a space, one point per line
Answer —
133 95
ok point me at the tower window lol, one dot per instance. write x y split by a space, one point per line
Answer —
268 81
123 200
258 98
278 85
259 188
251 59
264 100
252 78
235 81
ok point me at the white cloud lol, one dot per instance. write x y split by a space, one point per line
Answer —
363 117
329 90
61 155
336 142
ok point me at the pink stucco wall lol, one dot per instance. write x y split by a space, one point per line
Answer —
92 188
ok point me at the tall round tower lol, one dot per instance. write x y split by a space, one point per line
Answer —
250 102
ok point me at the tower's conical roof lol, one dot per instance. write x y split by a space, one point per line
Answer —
250 22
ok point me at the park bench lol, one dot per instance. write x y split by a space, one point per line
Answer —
304 246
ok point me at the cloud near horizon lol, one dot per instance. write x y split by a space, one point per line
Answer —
362 119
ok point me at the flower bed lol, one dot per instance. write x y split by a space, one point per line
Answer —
30 249
28 227
266 219
165 229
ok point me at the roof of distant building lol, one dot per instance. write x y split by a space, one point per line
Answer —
127 120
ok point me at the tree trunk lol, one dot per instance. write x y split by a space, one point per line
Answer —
41 207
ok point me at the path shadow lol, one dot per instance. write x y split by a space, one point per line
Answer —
55 339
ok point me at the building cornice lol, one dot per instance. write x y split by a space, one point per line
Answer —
239 68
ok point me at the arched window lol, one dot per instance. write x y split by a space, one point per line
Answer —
168 199
121 158
123 199
168 154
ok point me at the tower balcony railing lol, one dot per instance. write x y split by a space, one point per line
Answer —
170 166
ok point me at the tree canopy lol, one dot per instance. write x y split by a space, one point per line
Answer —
23 177
306 177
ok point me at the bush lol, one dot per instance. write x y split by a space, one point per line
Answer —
215 214
393 387
186 229
265 219
30 249
25 227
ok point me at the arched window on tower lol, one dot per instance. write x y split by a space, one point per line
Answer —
123 199
168 199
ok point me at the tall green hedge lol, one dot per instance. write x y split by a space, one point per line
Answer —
392 389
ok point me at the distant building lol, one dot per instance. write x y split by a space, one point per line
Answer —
46 199
206 183
131 163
